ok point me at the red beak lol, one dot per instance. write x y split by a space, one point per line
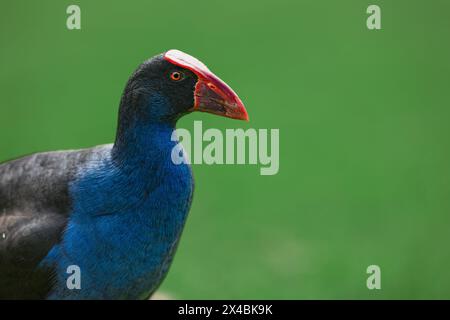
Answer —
211 93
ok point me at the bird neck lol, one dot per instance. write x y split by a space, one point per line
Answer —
144 141
142 136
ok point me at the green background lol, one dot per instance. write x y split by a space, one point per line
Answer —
364 127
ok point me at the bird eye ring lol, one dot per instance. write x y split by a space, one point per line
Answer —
176 76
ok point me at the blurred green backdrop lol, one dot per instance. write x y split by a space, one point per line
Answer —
364 133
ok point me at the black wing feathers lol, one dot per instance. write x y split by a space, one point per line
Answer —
34 207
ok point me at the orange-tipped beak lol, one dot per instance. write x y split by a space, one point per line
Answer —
211 93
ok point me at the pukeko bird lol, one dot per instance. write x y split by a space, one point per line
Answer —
116 211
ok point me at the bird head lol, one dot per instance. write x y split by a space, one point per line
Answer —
174 83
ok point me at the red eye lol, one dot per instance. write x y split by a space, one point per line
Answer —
176 76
